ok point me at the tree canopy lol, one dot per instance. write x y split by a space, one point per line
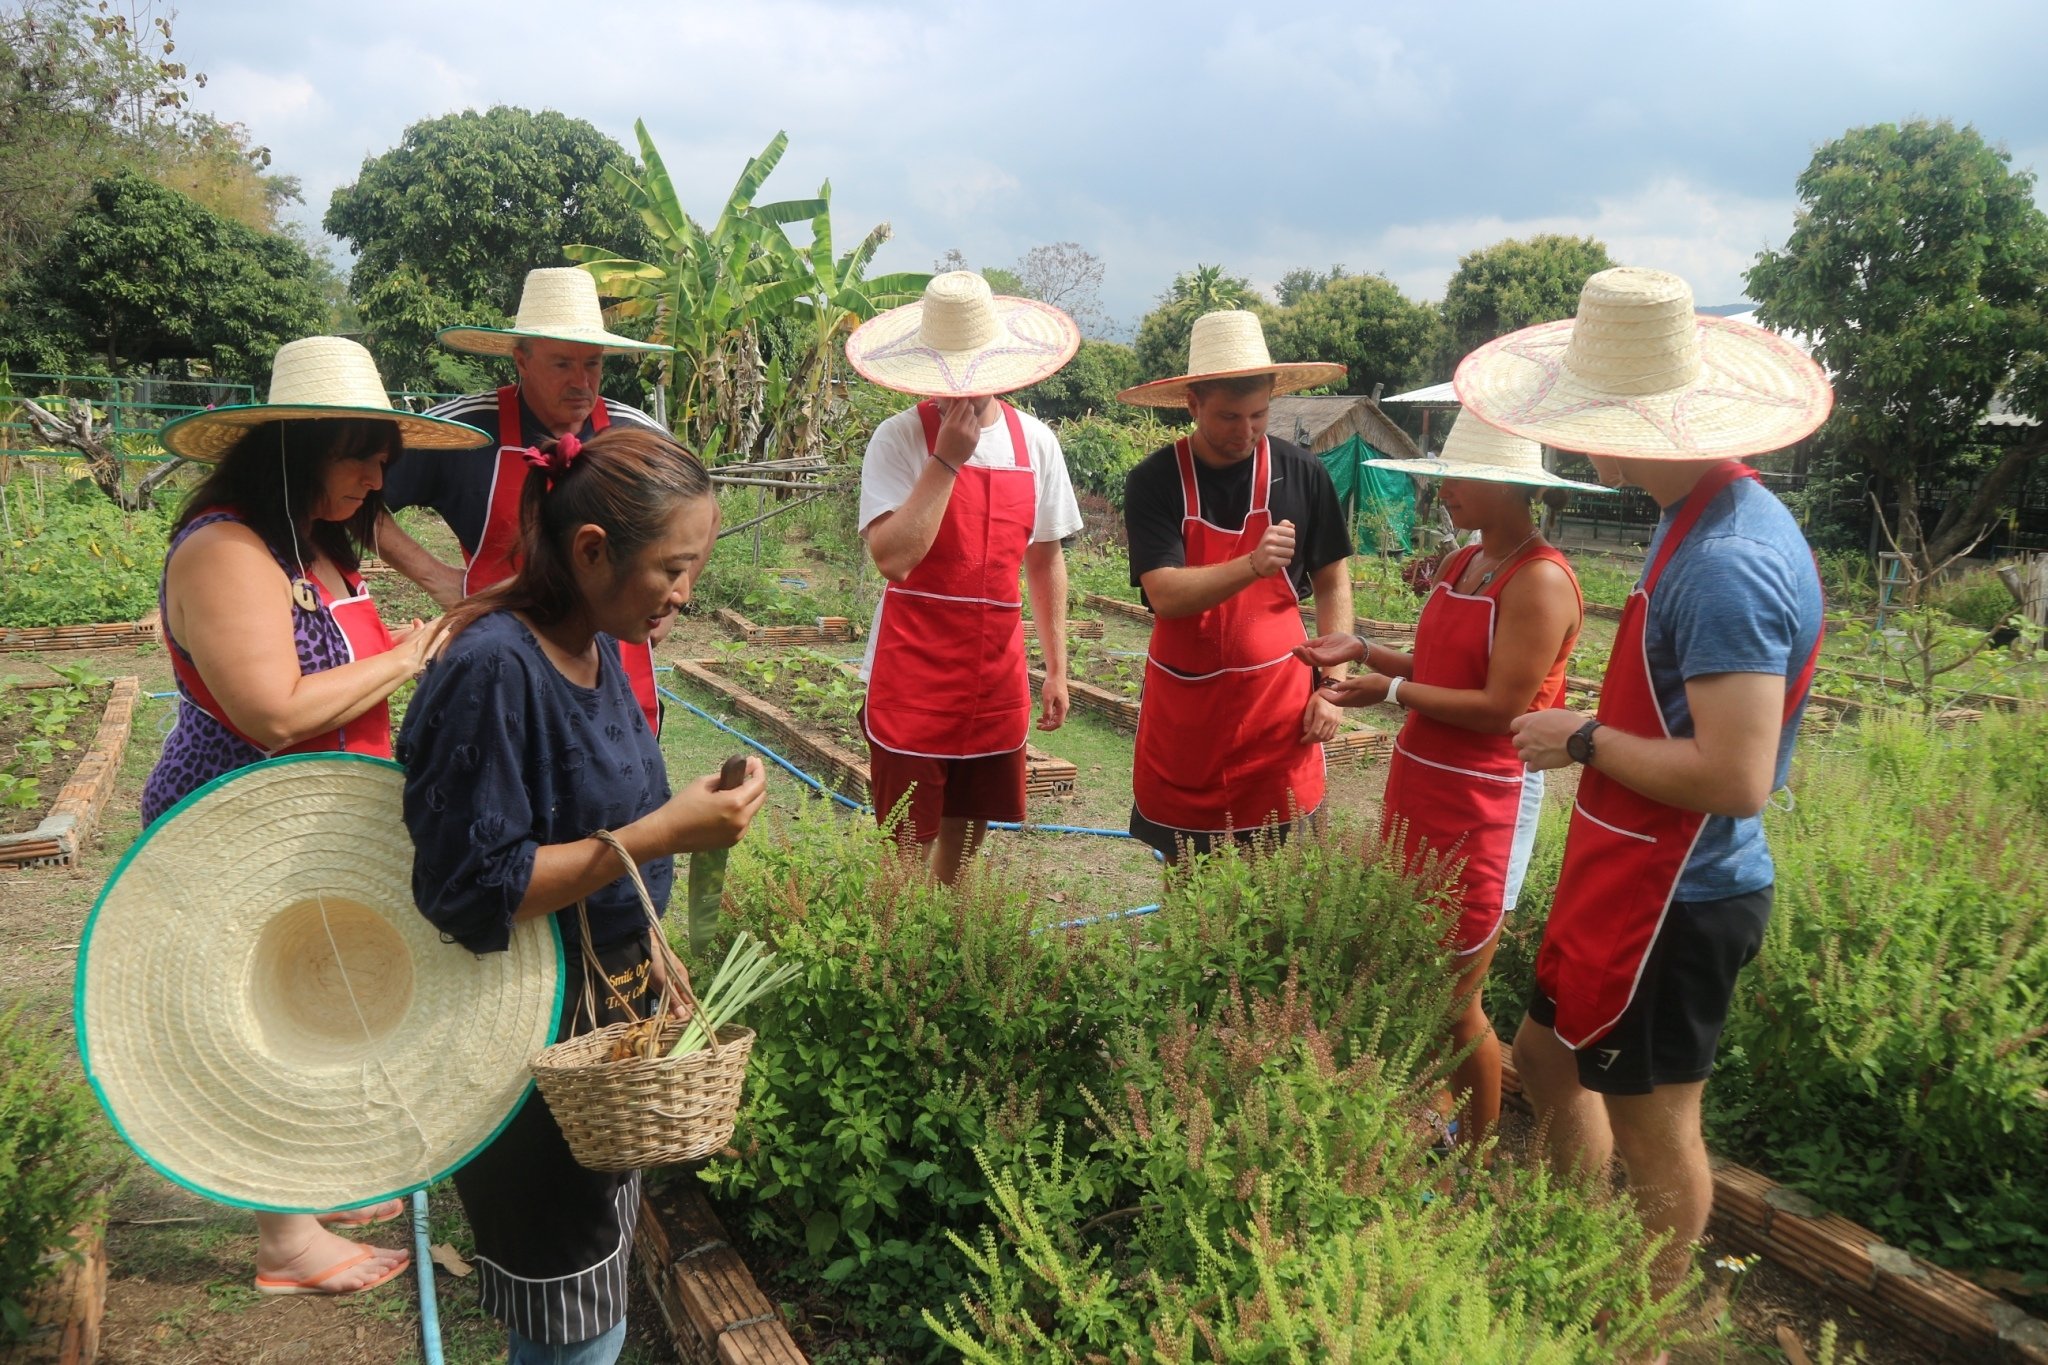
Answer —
1517 283
143 274
1162 344
1366 324
1918 265
1088 383
446 224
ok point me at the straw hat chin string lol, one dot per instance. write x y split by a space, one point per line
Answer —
1230 345
963 340
1637 373
269 1020
313 379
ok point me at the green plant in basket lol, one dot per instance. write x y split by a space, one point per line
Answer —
50 1164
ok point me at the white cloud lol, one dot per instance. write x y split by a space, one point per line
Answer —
262 99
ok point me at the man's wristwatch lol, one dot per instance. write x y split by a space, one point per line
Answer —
1580 745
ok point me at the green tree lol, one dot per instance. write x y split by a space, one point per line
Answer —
143 275
446 224
1298 283
1089 383
1364 323
1162 344
85 89
1517 283
1918 264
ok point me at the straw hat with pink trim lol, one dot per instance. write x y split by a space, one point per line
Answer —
963 340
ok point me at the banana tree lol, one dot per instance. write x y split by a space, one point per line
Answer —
703 293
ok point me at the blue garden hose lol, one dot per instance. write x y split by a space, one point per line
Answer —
423 1261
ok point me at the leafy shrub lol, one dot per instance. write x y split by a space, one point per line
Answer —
1604 580
74 558
1887 1051
1101 451
48 1164
1276 1204
1977 599
1847 579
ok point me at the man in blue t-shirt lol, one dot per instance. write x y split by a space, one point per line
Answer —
1666 885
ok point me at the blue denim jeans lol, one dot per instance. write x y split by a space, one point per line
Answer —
599 1350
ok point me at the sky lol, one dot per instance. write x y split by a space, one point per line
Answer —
1387 137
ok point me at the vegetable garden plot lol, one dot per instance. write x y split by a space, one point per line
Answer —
44 723
106 635
811 705
825 630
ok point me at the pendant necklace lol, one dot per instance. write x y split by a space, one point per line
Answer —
304 595
1502 562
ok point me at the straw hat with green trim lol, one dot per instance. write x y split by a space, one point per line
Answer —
1231 345
1639 374
558 303
1475 450
314 378
271 1022
963 340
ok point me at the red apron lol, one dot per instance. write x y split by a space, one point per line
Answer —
1625 853
1452 791
497 554
1219 725
364 633
948 679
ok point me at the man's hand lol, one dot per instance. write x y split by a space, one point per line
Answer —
1329 651
1275 550
1540 736
959 431
1052 703
1365 689
1320 719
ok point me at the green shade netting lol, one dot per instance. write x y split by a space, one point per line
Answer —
1379 502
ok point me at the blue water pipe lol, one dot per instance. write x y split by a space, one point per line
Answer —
423 1261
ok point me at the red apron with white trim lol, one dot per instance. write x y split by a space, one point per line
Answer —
1219 725
497 553
1625 852
1454 792
949 677
364 632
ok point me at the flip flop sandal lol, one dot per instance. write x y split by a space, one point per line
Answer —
368 1216
267 1284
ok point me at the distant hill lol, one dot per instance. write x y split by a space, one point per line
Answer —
1724 310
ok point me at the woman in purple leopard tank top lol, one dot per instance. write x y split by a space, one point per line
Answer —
277 648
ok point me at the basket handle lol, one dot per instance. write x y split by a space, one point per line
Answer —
675 983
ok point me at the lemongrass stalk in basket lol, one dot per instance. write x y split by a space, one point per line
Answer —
748 973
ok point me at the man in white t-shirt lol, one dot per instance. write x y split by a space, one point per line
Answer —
958 495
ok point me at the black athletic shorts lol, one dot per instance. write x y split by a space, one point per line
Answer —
1668 1033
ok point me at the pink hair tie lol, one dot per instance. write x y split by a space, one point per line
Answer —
556 459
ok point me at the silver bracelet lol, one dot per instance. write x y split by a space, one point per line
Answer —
1366 645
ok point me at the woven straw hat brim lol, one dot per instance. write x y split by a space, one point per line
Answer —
1035 340
1173 393
215 1025
1755 393
207 436
501 340
1486 473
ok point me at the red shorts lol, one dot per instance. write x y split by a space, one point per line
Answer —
989 788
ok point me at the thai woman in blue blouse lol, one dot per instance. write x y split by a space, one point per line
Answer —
523 741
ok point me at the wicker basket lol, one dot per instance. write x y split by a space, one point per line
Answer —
622 1116
650 1110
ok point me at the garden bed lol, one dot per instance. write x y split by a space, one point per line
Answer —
71 818
1078 628
1943 1312
822 731
107 635
1117 606
824 630
64 1311
713 1310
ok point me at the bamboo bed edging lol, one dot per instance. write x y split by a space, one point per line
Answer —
714 1312
1940 1310
837 766
1116 606
1078 628
147 629
65 1310
827 630
75 815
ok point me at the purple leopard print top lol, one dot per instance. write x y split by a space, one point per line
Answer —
199 748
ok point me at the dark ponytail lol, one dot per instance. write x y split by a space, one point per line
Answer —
627 480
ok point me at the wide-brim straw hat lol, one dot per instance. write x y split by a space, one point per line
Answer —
1475 450
271 1022
1231 345
310 379
558 303
963 340
1639 374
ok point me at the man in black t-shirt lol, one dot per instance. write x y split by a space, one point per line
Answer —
1228 532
